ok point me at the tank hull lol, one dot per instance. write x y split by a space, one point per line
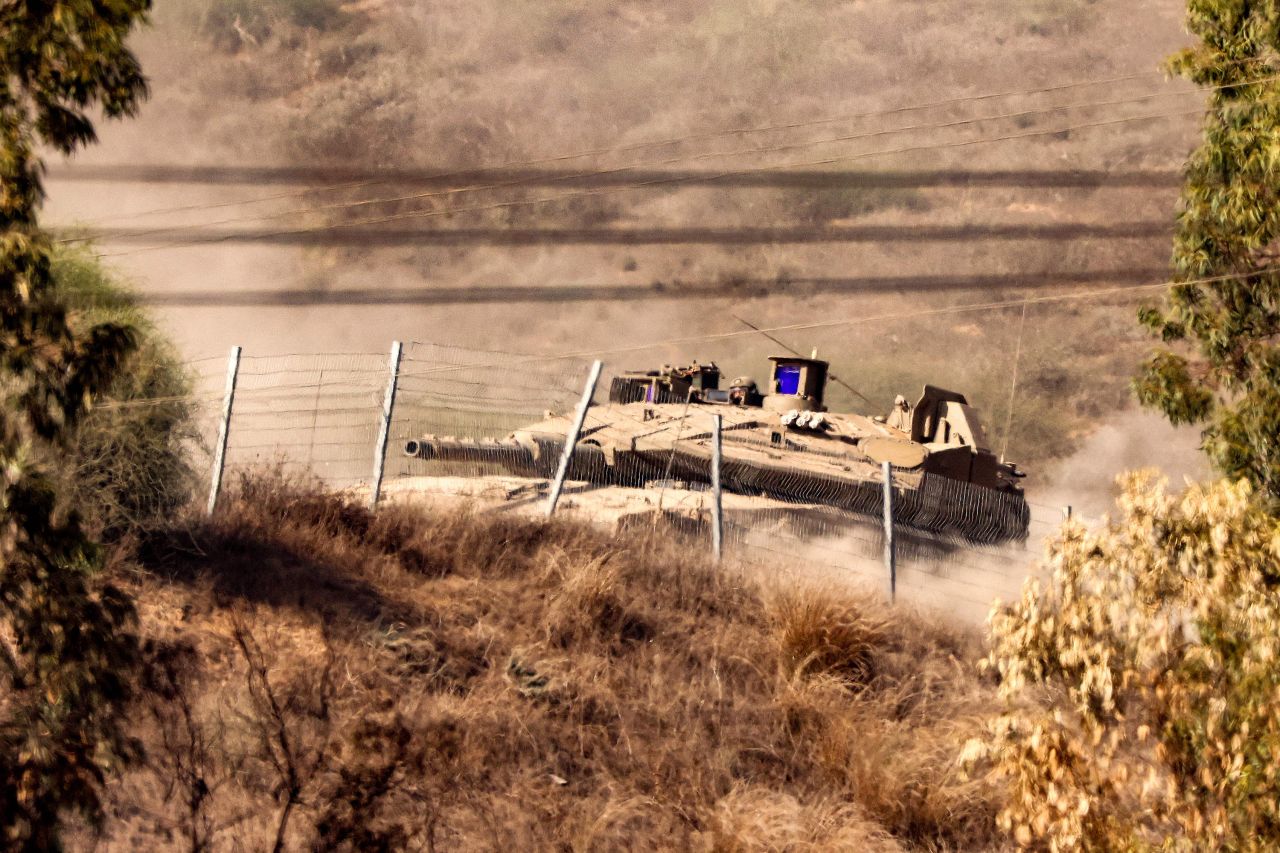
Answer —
842 481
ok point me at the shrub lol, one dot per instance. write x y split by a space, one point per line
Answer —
1156 640
128 460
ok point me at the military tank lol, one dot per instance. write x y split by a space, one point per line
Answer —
780 441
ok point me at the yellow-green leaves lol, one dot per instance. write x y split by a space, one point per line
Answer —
1228 226
1140 680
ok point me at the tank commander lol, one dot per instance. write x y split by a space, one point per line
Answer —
743 391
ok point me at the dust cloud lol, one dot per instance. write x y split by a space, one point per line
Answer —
1132 441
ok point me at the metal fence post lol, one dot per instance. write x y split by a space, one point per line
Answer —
571 439
384 426
890 556
224 429
717 507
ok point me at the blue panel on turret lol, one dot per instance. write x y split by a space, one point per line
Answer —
788 379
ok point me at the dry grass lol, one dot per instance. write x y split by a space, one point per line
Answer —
326 677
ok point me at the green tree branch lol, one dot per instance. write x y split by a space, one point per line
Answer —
72 648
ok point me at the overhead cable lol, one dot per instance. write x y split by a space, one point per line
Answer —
521 181
372 177
428 214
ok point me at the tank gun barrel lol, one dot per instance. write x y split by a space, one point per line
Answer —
536 457
510 454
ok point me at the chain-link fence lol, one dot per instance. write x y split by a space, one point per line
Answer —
489 428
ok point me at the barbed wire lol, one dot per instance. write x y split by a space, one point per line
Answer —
327 434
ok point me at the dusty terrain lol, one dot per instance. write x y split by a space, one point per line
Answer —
317 94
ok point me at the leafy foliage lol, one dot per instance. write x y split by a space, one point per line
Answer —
1225 372
65 643
128 463
1155 642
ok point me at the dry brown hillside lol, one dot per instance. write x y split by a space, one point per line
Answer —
1080 195
320 677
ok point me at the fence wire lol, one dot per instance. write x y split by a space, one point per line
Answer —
479 424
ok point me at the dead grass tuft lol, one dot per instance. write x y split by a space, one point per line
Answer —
824 632
750 819
591 601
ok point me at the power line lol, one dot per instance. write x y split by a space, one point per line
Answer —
862 320
798 179
674 290
186 208
357 178
523 180
952 309
724 236
427 214
544 176
595 174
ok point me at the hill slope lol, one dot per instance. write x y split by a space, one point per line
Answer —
322 676
436 87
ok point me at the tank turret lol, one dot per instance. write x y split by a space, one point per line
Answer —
796 384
